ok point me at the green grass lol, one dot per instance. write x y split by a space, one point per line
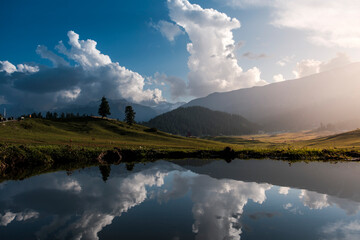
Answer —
296 140
35 146
347 140
96 133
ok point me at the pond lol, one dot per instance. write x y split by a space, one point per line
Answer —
187 199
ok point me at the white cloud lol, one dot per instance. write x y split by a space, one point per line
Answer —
217 204
94 76
285 60
213 66
314 200
278 78
287 206
284 190
9 68
84 52
341 231
54 58
72 185
8 217
167 29
218 216
177 86
99 210
307 67
310 66
27 69
327 23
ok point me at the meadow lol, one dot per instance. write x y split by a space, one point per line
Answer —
32 146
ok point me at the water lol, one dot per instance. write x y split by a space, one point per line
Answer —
188 199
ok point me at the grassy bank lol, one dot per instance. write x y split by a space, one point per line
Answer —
34 146
19 162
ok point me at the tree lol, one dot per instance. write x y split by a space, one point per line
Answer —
104 108
105 172
129 115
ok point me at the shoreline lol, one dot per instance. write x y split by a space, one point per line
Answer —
21 161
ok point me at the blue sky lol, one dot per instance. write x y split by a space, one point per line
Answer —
276 37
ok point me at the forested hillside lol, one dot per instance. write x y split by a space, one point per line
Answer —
200 121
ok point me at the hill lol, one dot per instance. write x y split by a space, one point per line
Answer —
327 97
200 121
343 140
94 132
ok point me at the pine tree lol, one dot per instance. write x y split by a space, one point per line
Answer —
129 115
104 108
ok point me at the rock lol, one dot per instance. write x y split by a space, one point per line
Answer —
110 157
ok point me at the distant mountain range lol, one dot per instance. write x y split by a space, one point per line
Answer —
327 97
117 109
200 121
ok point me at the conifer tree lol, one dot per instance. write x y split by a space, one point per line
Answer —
129 115
104 108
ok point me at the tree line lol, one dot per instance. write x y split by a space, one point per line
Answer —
104 111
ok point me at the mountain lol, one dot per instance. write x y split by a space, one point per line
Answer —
117 109
327 97
199 121
164 107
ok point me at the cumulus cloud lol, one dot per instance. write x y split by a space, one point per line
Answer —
8 217
314 200
212 62
93 76
9 68
167 29
327 23
217 204
97 210
278 78
341 230
218 216
285 60
54 58
177 86
307 67
284 190
310 66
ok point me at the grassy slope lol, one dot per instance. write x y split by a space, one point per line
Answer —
303 139
95 132
343 140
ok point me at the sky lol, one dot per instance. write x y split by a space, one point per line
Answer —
53 53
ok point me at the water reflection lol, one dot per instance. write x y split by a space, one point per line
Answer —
227 201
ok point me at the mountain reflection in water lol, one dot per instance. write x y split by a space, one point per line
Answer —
187 199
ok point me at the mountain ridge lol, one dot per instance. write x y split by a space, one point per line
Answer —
304 103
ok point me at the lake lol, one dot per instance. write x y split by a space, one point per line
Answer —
187 199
